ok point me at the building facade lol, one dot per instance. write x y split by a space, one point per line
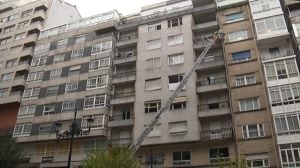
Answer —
240 102
21 23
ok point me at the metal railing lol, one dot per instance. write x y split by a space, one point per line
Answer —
212 59
218 134
126 55
212 106
212 81
128 37
124 74
121 117
123 95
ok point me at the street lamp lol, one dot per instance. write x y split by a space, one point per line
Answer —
151 161
75 130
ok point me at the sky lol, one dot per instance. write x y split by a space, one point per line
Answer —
125 7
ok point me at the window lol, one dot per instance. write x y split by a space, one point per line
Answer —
68 106
156 131
35 77
153 44
174 81
74 70
12 17
253 131
11 63
49 109
99 64
264 6
217 155
246 79
101 47
99 121
55 73
258 163
22 129
285 95
62 43
52 91
96 101
97 82
241 56
290 155
22 25
152 106
3 92
234 17
26 111
176 59
175 22
45 128
5 41
32 93
71 87
77 53
281 69
249 104
37 62
154 27
58 58
182 158
287 124
238 35
42 48
20 36
26 13
8 29
7 77
176 128
178 103
153 84
270 24
174 40
80 39
153 63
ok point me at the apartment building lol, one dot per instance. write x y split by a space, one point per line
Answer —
21 23
120 70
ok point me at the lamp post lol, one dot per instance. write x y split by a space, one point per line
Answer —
151 161
75 130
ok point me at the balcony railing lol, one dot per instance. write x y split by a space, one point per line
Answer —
212 59
213 106
121 117
212 81
21 77
126 55
124 74
123 95
218 134
16 93
128 37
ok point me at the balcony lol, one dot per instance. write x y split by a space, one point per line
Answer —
206 26
200 42
213 109
127 40
13 97
124 77
211 62
280 54
122 141
217 84
229 3
123 98
124 58
121 121
39 14
216 135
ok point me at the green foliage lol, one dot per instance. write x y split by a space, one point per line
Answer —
238 163
112 157
10 152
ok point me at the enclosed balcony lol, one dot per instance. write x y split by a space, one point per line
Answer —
125 57
121 120
213 109
123 98
211 85
229 3
124 77
216 135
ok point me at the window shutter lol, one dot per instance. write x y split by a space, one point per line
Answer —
71 40
84 68
39 110
90 36
178 127
35 129
58 107
87 51
53 45
241 55
50 60
53 127
79 104
61 89
68 56
153 84
43 92
180 99
65 71
82 85
46 75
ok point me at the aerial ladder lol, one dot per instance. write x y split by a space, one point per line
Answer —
217 37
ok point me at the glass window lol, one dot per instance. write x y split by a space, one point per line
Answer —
99 121
152 107
49 109
27 111
174 40
32 93
253 131
52 91
99 64
77 53
22 129
97 82
217 155
154 27
101 47
153 44
35 77
181 158
71 87
238 35
176 59
175 22
246 79
153 63
249 104
37 62
55 73
241 56
80 39
234 17
58 58
62 43
96 101
74 70
270 24
68 106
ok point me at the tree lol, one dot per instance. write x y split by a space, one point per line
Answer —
10 152
238 163
112 157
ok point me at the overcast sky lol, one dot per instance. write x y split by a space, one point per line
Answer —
93 7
